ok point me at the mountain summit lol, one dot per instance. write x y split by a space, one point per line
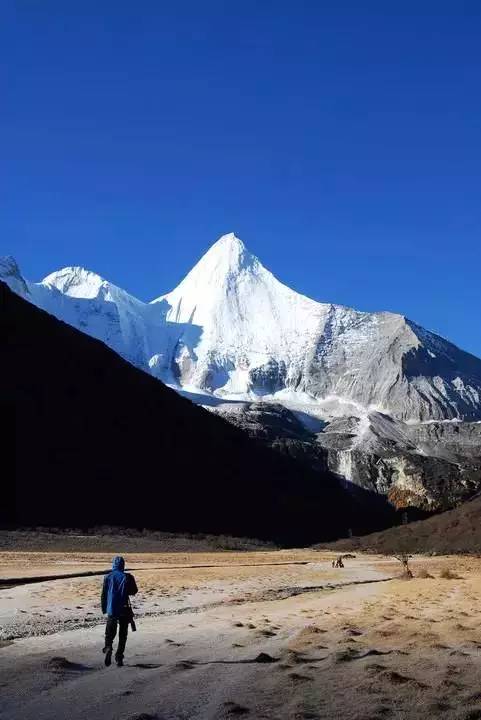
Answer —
231 330
216 275
249 322
76 282
227 255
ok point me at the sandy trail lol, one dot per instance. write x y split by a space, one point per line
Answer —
385 649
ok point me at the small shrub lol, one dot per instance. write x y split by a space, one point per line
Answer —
423 573
448 574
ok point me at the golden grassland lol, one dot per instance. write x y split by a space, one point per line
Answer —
342 643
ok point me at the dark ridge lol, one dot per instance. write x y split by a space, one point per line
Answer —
96 441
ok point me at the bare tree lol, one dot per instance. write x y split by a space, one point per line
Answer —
404 560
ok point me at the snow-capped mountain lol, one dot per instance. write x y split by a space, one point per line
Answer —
259 337
136 330
362 384
233 331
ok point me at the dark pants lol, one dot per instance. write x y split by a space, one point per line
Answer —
111 631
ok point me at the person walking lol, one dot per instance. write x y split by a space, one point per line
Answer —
116 589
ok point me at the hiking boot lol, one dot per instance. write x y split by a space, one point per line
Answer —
108 656
119 661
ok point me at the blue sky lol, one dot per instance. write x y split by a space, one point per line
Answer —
340 140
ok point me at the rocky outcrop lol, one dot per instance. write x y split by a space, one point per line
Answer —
279 428
409 464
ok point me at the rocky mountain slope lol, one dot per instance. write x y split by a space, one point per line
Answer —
380 396
96 441
430 466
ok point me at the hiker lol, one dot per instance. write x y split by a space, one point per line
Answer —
117 587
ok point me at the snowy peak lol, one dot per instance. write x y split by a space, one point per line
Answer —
238 303
225 261
84 299
228 249
76 282
227 256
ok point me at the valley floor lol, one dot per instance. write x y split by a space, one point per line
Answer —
349 643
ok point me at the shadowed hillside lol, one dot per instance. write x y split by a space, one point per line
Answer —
97 441
454 531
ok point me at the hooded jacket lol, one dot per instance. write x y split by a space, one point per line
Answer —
117 587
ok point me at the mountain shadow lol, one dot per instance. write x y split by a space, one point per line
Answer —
96 441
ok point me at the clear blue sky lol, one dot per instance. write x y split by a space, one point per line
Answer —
340 140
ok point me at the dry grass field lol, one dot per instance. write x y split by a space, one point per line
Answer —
277 634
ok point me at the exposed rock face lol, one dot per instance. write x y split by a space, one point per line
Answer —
10 274
407 462
430 466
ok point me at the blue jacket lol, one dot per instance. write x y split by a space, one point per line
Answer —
117 587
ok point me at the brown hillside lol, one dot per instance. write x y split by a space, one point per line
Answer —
454 531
